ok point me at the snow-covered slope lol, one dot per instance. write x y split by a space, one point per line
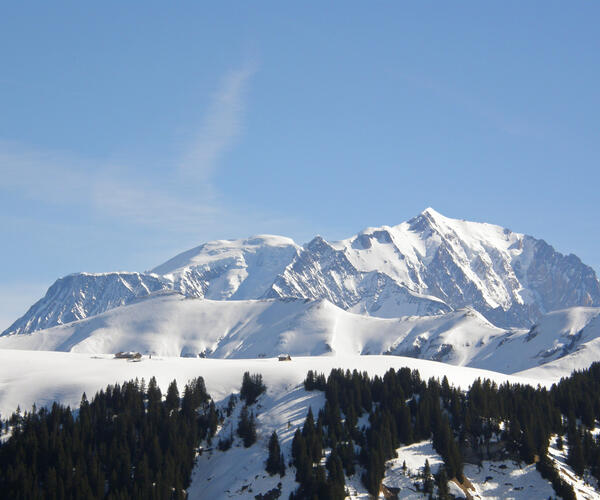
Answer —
426 266
562 341
172 325
41 377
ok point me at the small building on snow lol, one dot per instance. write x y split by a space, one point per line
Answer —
128 355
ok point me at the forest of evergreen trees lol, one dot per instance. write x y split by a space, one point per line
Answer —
403 409
131 441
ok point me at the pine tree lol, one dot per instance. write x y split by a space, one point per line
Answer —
427 481
247 427
335 478
275 461
575 456
252 388
172 401
441 481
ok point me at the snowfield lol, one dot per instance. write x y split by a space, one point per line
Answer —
507 479
170 324
40 377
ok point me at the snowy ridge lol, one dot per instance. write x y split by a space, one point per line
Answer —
78 296
173 325
427 266
561 342
234 269
321 271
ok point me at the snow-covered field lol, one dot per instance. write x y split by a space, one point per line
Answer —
40 377
507 479
173 325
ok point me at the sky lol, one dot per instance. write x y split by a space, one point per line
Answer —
130 132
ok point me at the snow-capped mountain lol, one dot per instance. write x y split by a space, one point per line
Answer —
220 270
427 266
510 278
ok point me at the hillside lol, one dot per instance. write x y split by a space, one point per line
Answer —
173 325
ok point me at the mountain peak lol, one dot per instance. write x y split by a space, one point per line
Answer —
432 215
217 250
431 212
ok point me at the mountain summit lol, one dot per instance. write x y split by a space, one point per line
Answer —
428 265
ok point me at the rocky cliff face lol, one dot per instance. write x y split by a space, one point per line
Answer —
511 278
323 272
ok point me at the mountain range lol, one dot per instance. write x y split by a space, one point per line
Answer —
431 287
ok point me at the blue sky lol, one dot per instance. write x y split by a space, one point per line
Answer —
131 132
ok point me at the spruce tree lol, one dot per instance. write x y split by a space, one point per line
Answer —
252 388
172 401
275 461
575 456
247 427
441 481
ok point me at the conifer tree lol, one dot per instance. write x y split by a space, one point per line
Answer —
441 481
427 481
172 401
275 461
247 427
252 388
575 456
335 477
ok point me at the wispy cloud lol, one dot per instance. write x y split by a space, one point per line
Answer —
108 189
221 125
